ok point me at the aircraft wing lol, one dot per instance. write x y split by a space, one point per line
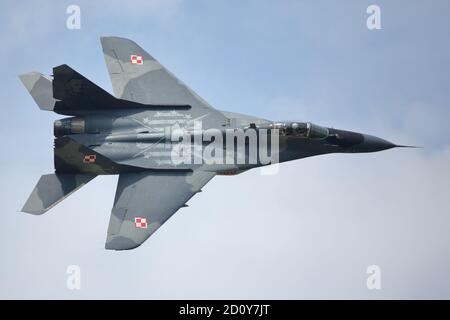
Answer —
137 76
145 200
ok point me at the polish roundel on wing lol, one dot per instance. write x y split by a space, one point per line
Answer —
136 59
140 222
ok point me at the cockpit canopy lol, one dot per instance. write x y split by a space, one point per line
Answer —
298 129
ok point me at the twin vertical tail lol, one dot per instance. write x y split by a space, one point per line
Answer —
70 93
51 188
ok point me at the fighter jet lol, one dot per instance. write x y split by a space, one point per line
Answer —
161 138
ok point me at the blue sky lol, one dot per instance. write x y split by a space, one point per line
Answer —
323 220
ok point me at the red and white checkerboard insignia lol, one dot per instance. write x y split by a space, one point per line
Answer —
135 59
140 222
89 158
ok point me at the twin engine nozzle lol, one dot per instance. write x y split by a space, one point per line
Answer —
68 126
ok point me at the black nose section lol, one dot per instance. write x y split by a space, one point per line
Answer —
355 142
373 144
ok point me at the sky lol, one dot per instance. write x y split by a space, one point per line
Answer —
308 232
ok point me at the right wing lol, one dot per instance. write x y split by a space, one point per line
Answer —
137 76
145 200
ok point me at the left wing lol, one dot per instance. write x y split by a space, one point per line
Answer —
145 200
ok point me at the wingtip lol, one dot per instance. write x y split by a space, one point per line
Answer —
113 42
120 243
108 38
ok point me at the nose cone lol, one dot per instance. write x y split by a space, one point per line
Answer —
373 144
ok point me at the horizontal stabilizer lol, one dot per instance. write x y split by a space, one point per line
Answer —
53 188
40 88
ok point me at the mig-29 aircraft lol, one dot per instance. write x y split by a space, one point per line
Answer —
132 134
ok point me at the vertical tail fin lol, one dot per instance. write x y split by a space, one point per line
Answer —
41 89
